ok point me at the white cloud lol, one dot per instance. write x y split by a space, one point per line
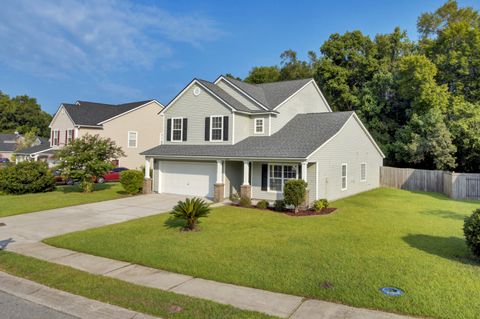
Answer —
60 38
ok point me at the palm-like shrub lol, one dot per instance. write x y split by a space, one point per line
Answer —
191 210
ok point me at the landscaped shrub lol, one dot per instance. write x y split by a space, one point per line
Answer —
191 210
279 205
471 229
26 177
132 181
234 197
263 204
319 204
245 202
294 192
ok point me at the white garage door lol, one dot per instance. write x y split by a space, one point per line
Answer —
192 178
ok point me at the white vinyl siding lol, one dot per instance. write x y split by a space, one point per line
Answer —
308 100
177 129
352 147
363 172
132 139
196 109
216 128
344 177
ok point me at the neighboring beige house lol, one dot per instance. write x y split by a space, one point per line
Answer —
135 127
231 137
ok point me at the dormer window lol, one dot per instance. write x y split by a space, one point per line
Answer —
216 129
177 129
259 124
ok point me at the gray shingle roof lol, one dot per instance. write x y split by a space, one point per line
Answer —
300 137
8 142
270 94
92 113
34 149
225 96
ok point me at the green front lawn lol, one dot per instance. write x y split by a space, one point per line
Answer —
384 237
116 292
63 196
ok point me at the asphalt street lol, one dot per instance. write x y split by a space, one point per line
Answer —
12 307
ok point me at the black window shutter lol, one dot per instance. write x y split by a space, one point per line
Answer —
169 129
185 124
300 171
225 128
207 129
264 177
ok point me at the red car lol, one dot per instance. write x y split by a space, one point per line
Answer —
112 176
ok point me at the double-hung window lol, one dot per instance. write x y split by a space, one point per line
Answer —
177 129
279 174
344 177
259 126
363 172
216 129
56 137
132 139
70 134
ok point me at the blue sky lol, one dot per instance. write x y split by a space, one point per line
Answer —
119 51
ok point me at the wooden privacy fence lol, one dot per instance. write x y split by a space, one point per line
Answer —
454 185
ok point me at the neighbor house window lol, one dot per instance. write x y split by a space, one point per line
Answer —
344 177
177 129
279 174
70 134
363 172
216 130
258 126
132 139
56 137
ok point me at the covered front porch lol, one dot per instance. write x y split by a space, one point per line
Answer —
220 178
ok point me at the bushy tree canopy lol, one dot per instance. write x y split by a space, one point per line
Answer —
88 157
420 100
23 114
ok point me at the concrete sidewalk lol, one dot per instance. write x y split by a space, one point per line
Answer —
276 304
64 302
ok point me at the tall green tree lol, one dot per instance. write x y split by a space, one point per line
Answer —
87 158
263 74
22 114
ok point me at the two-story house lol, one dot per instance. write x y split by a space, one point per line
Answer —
132 126
231 137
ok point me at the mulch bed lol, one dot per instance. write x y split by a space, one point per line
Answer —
290 212
324 211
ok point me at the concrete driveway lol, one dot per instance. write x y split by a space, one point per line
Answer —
34 227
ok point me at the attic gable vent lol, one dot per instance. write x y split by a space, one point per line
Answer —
196 91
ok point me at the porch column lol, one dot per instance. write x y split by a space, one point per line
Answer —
147 168
246 172
304 171
219 187
246 188
147 182
304 177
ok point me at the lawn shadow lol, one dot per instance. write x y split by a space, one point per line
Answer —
76 188
452 248
444 214
173 222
